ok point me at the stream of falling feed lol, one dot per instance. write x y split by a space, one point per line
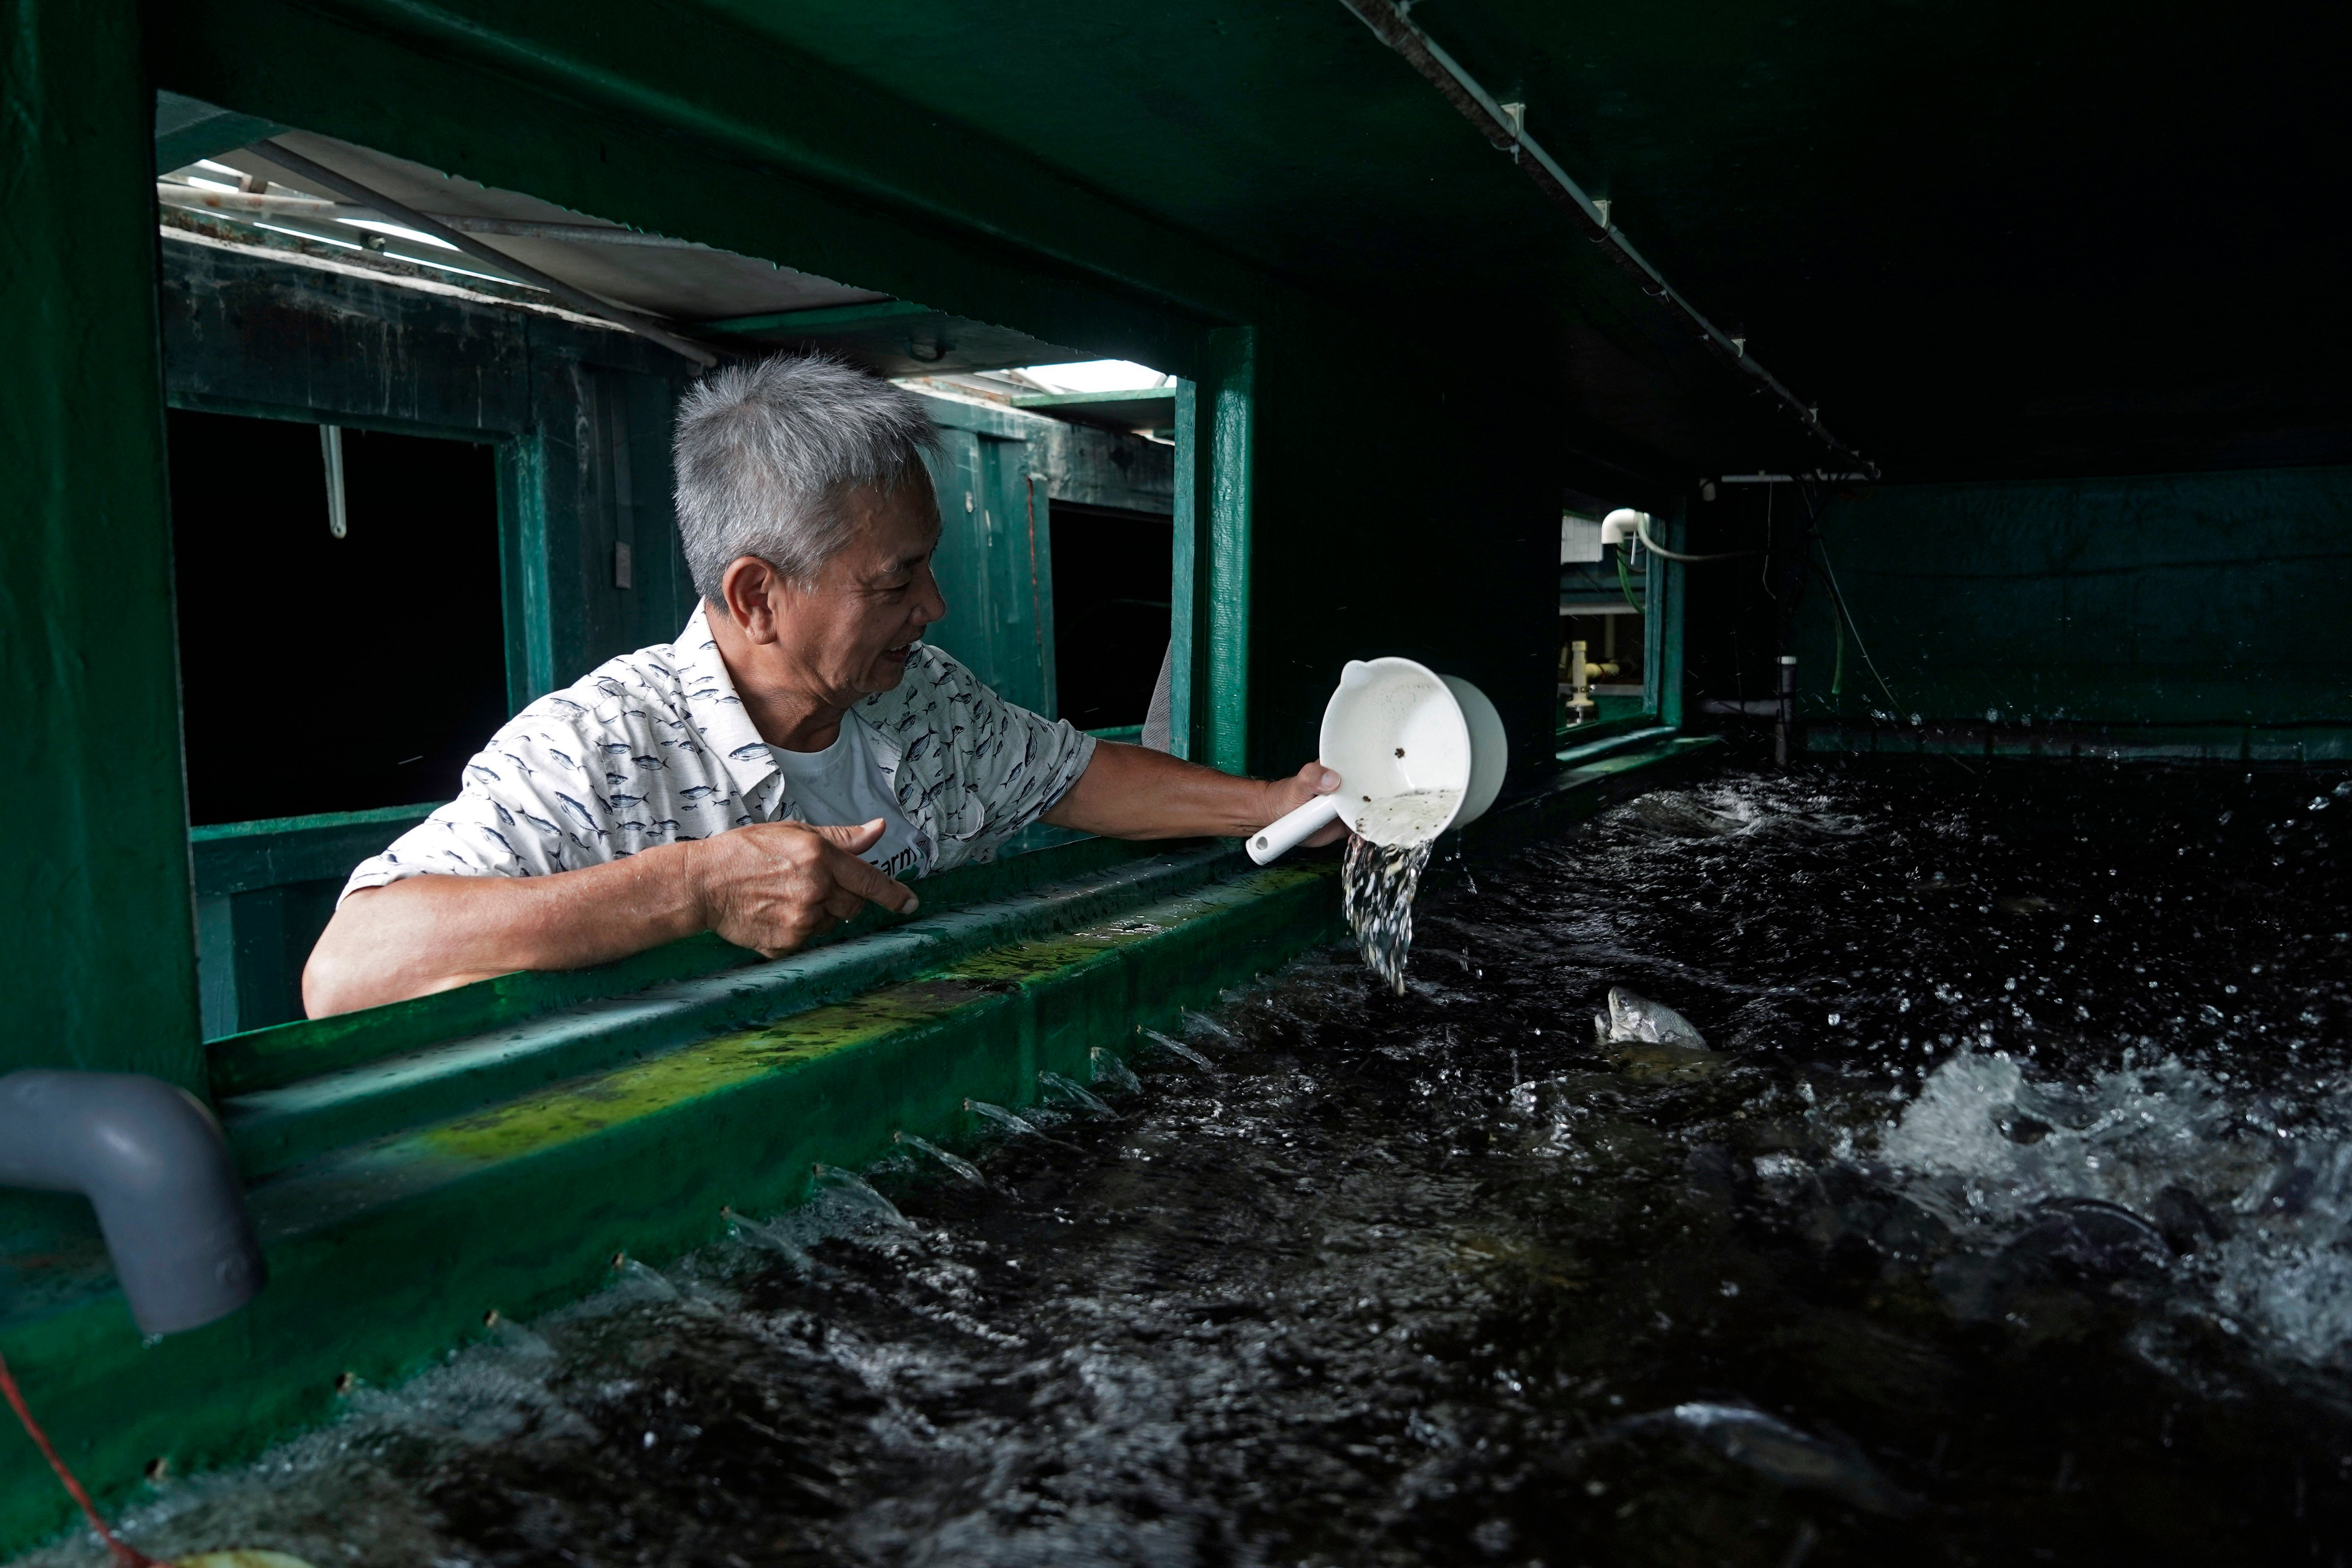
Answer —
1848 1167
1376 887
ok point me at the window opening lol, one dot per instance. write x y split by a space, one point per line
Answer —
320 673
1603 605
1111 576
1105 562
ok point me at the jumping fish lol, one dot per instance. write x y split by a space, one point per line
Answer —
1772 1448
1637 1020
1650 1040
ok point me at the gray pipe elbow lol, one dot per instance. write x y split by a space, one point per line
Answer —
152 1160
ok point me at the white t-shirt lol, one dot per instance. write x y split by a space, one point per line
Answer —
844 786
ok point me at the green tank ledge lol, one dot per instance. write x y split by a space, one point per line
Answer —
403 1202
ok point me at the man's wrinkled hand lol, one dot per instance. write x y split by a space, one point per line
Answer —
1286 796
773 887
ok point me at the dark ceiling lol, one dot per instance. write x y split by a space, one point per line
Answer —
1989 239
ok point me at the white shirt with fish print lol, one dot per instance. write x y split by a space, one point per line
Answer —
655 747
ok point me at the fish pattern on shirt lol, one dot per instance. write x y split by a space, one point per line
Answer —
655 747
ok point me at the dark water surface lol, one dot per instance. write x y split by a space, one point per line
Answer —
2003 1216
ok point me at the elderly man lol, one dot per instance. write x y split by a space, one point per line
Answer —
797 752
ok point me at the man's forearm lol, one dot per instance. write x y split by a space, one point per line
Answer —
429 933
1129 792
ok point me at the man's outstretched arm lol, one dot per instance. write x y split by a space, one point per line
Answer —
768 888
1128 792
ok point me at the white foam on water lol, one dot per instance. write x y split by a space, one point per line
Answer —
1975 1151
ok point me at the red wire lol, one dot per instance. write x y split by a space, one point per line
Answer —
124 1553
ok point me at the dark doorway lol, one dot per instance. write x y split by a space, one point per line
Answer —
1111 574
320 674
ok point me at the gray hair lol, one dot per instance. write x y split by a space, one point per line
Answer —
766 451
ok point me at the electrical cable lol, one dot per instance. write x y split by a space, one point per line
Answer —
1625 580
1506 130
1837 595
1837 670
122 1552
1642 527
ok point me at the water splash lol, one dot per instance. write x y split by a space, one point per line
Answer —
852 1199
1017 1125
962 1168
772 1237
1109 1070
1376 895
1074 1093
2251 1213
1179 1048
633 1277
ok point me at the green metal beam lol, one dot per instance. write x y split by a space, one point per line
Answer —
187 129
97 954
1188 603
240 856
1066 399
1676 583
824 319
1230 385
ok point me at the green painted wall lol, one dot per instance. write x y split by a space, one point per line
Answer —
98 956
2212 599
995 564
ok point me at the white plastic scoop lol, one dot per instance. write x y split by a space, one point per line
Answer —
1416 752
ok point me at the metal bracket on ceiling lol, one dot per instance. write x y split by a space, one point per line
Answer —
1504 125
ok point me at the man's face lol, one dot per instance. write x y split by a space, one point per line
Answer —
848 634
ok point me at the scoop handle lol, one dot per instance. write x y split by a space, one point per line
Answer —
1285 833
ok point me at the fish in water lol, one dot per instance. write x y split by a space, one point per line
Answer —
1637 1020
1772 1448
1650 1040
1685 816
2086 1239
